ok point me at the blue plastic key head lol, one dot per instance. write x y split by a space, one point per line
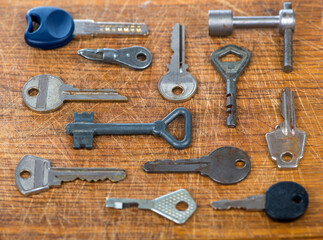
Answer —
55 30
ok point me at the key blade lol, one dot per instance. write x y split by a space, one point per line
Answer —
89 27
287 109
121 203
249 203
91 54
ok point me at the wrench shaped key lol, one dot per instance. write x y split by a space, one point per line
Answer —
35 174
46 93
83 129
177 85
230 71
220 165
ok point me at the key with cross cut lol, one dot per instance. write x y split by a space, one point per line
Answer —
35 174
283 202
46 93
225 165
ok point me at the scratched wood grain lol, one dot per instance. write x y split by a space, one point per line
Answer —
77 209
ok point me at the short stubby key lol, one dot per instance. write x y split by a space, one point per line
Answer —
35 174
286 143
136 58
177 85
83 129
165 205
283 202
46 93
230 72
225 165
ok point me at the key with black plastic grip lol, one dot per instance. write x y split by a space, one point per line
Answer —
283 202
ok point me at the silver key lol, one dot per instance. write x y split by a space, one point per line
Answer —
177 84
286 143
165 205
35 174
45 93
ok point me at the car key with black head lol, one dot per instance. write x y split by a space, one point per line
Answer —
283 202
225 165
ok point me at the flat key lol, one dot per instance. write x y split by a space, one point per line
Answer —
35 174
283 202
286 143
47 93
177 85
164 205
230 72
225 165
83 129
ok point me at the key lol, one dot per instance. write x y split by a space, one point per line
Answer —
50 27
46 93
35 174
230 72
166 205
137 58
225 165
286 143
83 129
283 202
177 85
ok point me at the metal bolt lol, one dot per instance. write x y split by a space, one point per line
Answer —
222 23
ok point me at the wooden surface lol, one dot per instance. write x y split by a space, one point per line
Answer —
77 210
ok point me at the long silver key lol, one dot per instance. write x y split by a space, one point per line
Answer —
35 174
46 93
177 85
167 205
286 143
225 165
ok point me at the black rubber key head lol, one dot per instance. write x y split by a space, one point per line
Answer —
286 201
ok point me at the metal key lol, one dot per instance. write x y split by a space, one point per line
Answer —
165 205
177 85
283 202
35 174
221 165
137 58
230 71
83 129
46 93
286 143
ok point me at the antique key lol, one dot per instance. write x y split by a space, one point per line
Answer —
225 165
46 93
35 174
230 72
166 205
177 85
283 202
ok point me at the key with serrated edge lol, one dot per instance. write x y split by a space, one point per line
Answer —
34 174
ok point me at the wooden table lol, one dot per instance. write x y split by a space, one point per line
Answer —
77 210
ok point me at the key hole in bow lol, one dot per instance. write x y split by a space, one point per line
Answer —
297 199
141 57
287 156
176 128
240 163
35 22
177 90
230 57
25 174
181 206
33 92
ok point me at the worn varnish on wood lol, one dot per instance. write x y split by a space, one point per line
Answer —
77 209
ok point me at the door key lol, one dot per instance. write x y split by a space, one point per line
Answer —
230 71
164 205
46 93
35 174
221 165
283 202
177 85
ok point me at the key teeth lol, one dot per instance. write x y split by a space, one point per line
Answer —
84 117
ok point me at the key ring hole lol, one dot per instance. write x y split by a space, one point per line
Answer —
177 90
297 199
181 206
240 163
287 156
230 57
33 92
25 174
141 57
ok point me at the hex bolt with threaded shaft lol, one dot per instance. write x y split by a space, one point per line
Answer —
222 23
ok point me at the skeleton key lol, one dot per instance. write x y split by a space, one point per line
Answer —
35 174
225 165
166 205
46 93
177 85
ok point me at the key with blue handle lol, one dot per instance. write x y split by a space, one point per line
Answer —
51 27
